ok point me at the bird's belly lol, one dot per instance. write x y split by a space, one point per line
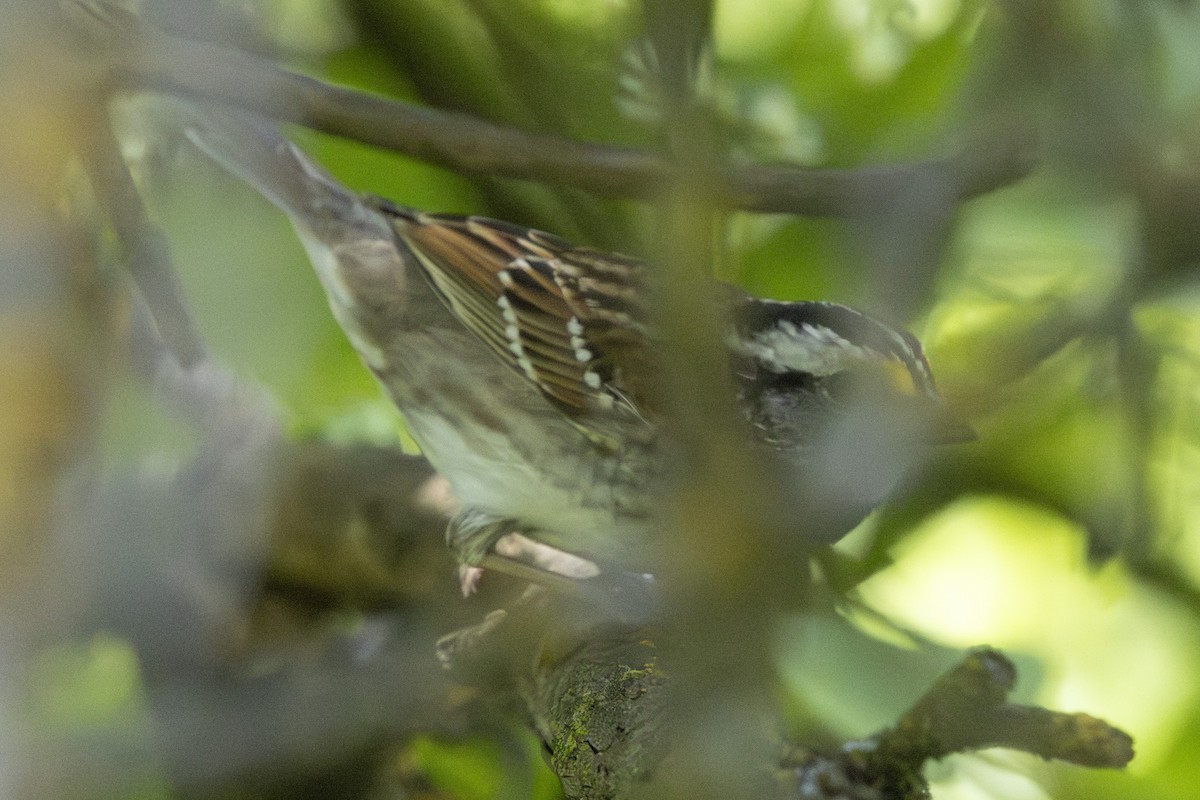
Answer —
555 484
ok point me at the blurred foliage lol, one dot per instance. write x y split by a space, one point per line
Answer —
1063 322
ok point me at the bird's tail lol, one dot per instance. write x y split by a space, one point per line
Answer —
255 150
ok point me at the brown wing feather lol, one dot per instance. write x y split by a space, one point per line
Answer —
569 319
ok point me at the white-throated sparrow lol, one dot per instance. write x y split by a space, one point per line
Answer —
521 362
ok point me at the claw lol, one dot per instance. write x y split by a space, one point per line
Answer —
468 579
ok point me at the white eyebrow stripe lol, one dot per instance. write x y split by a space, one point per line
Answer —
812 349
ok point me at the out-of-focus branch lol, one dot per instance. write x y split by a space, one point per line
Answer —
145 250
717 571
146 58
219 575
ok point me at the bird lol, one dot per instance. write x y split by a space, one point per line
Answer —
523 365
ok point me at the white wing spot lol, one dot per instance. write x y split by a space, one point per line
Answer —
582 352
506 310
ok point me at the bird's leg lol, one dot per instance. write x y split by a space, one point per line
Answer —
484 541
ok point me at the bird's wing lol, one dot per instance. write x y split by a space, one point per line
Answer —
569 319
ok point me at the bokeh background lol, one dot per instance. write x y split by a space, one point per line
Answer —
1061 313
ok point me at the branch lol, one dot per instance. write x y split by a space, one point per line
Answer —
602 708
148 58
144 247
962 712
966 710
602 714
